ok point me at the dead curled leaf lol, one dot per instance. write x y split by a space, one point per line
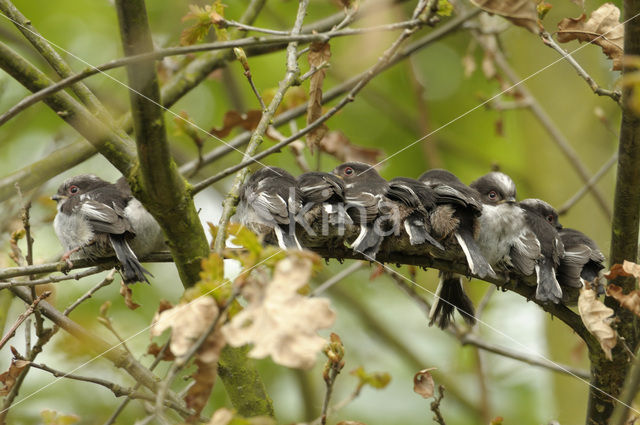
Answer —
627 268
423 383
597 319
188 322
233 119
603 28
8 378
127 294
319 54
522 13
278 321
337 144
630 301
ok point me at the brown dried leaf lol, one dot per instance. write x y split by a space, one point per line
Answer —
233 119
8 378
127 294
522 13
627 268
335 143
278 321
597 318
154 349
188 322
630 301
319 55
423 383
603 28
198 393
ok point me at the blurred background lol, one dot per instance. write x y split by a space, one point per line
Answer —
436 92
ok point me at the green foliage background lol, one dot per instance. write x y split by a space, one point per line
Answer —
386 115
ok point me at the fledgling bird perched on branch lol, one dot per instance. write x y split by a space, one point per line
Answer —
327 190
269 200
416 201
458 206
93 219
509 236
367 204
582 258
552 250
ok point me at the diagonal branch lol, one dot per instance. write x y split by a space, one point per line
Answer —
157 184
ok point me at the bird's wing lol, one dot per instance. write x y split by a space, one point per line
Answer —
270 207
104 218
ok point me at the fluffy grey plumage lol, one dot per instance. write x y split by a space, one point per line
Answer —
328 190
552 250
504 236
367 204
269 200
93 221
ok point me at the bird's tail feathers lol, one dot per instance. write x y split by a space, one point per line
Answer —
132 270
418 233
548 287
476 261
450 296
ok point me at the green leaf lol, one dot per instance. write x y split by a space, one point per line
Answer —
376 380
444 8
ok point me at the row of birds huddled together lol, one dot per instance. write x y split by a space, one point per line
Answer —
484 219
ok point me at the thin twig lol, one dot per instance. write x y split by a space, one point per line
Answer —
126 401
52 279
336 278
291 75
184 50
435 406
585 188
22 317
106 281
548 40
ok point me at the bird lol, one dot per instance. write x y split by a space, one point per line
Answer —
416 202
503 234
269 201
455 215
365 193
92 219
326 189
582 260
551 248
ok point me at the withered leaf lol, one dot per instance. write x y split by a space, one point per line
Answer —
597 318
319 55
278 321
630 301
188 322
335 143
154 349
522 13
127 294
233 119
423 383
603 28
627 268
8 378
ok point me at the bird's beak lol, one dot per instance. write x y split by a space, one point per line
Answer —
559 226
511 201
57 197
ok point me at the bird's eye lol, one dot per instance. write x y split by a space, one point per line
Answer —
348 171
493 194
550 218
74 189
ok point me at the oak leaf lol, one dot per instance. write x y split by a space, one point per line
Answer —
233 119
335 143
278 321
630 301
522 13
627 268
602 28
8 378
423 383
597 319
